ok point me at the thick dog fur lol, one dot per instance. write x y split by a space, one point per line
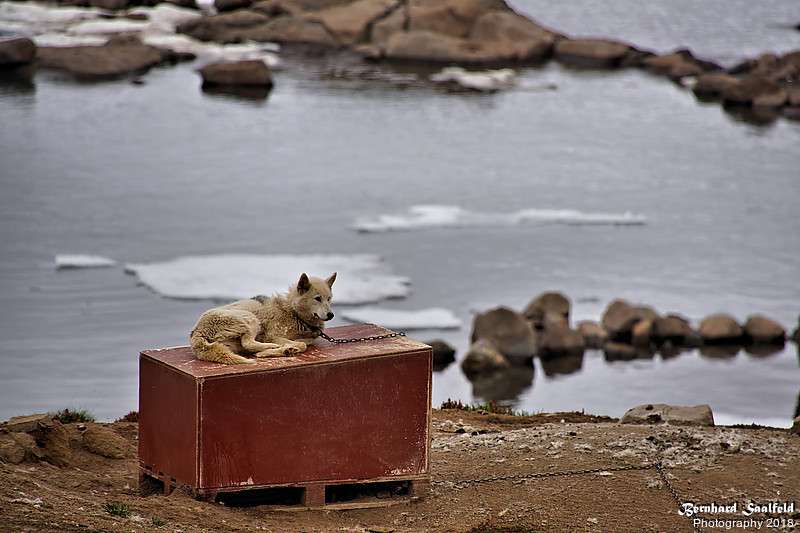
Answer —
264 326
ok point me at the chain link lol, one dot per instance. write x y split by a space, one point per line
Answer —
546 474
360 339
513 477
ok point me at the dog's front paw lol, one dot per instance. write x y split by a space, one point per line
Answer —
294 349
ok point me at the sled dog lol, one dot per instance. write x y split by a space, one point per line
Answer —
264 326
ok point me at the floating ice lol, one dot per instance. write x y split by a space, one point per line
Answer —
237 276
433 318
420 217
482 81
83 261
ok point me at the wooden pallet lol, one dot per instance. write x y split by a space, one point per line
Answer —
358 494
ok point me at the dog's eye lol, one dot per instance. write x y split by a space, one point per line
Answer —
318 298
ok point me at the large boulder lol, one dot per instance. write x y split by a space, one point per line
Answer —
525 39
591 53
16 52
483 357
675 330
547 302
558 340
720 329
449 17
122 55
290 29
620 316
713 84
762 330
350 24
241 73
508 331
659 413
443 353
33 438
593 334
224 28
749 89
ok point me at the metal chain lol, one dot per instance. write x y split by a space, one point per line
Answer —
675 496
360 339
658 466
546 474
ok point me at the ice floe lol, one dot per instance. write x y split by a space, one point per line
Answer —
433 318
423 217
482 81
361 277
83 261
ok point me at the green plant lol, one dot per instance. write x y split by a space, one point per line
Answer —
489 407
118 509
68 416
158 522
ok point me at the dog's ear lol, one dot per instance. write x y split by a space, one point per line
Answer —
330 280
304 284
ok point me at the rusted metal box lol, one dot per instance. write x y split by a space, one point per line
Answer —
333 415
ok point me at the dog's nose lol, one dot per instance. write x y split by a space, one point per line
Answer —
330 315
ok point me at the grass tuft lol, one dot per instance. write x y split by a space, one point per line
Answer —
489 407
118 509
68 416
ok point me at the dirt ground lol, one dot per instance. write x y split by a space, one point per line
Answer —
720 466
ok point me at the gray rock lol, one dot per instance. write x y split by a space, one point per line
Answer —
28 423
443 353
720 329
594 334
762 330
591 53
249 73
120 56
620 316
556 340
659 413
15 52
547 302
483 357
508 331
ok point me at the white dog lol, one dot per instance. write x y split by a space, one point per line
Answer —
264 326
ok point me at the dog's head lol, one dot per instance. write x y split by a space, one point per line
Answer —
314 302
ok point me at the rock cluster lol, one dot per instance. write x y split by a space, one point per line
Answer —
447 32
40 437
543 329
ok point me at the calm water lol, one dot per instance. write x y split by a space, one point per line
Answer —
144 173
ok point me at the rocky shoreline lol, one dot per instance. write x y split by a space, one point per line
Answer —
503 337
470 33
546 472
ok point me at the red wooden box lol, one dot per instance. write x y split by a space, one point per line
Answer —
334 414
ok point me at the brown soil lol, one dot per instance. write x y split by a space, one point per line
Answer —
721 465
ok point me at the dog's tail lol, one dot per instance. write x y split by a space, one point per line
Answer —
214 351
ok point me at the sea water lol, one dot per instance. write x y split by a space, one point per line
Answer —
127 210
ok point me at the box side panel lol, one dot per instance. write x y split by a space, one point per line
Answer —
358 419
168 430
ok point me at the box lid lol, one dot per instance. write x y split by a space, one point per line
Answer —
321 352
